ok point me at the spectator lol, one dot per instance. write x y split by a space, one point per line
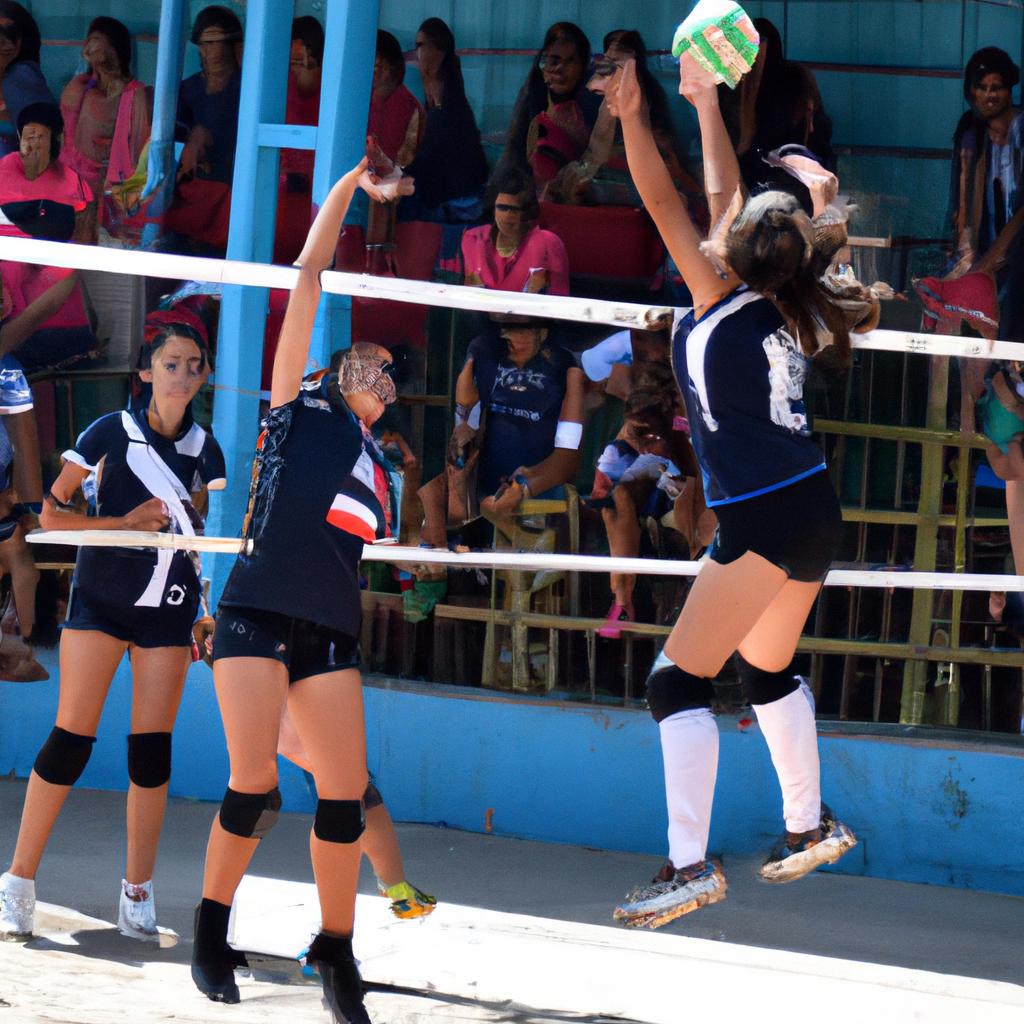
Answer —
17 663
511 253
41 196
639 475
396 116
988 210
524 440
208 125
529 387
776 104
450 168
305 70
21 77
554 113
295 190
394 132
605 154
988 181
106 116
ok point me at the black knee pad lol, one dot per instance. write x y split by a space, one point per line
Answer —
63 757
670 689
761 687
339 821
149 758
250 815
372 797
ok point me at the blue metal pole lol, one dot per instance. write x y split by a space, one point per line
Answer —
251 237
351 41
170 60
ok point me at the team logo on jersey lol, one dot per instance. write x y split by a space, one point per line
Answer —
176 595
787 368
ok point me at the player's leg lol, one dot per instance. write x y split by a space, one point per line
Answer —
88 660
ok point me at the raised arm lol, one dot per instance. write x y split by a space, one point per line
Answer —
721 169
662 201
317 255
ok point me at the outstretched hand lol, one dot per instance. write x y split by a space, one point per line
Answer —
626 99
150 516
695 83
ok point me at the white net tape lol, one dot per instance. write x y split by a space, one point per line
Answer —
581 310
887 578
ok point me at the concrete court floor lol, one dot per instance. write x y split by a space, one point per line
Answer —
925 928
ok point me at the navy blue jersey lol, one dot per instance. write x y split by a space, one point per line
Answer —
521 406
742 375
321 489
134 463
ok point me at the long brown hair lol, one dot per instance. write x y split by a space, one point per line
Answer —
770 246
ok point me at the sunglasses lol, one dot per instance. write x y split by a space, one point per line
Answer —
605 67
552 63
507 208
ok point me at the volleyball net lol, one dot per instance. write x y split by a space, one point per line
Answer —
613 314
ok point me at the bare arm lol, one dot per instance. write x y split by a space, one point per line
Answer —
721 169
561 465
149 515
663 203
466 391
317 255
35 314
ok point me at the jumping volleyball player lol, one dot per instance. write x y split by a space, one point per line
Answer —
740 360
149 458
288 626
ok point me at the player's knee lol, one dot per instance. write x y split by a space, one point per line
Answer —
149 758
670 690
339 821
250 815
372 797
763 687
63 757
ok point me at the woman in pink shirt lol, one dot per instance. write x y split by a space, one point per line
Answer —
512 253
41 197
106 116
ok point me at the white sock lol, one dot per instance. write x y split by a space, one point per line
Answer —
18 886
792 737
689 750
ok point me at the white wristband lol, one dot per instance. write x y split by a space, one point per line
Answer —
473 419
568 435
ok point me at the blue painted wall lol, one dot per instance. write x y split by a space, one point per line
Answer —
945 814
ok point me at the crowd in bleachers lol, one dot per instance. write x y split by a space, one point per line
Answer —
555 212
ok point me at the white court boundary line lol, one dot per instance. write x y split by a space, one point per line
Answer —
530 562
555 307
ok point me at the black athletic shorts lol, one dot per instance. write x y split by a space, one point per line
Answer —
304 648
166 626
797 528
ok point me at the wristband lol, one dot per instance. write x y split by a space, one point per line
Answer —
568 435
64 506
523 483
